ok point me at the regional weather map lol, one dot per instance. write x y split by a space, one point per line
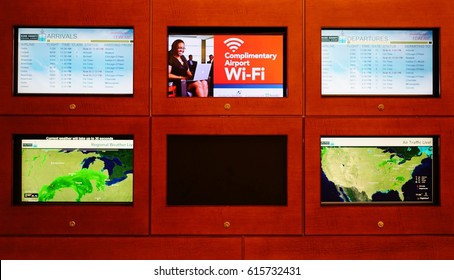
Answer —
380 170
76 169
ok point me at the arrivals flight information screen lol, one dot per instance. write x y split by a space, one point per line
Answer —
74 60
380 62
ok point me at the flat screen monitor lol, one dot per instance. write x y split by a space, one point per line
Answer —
77 169
402 170
74 60
245 62
381 62
226 170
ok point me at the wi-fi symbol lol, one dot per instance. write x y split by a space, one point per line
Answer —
233 43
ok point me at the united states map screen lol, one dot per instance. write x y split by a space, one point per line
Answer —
379 170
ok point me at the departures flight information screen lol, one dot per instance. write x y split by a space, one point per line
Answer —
379 62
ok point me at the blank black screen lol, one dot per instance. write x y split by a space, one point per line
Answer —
226 170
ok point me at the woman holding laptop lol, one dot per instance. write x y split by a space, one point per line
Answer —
179 69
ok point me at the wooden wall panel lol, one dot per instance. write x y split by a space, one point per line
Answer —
363 219
307 235
225 13
244 219
77 14
350 248
54 219
378 14
120 248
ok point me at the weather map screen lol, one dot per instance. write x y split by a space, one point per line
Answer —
380 62
73 169
379 170
248 62
74 60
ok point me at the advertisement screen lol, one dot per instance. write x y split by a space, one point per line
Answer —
92 169
52 60
242 62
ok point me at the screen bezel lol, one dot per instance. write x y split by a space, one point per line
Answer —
235 30
17 169
435 172
72 94
435 64
251 182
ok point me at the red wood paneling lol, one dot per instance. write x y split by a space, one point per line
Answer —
380 14
77 13
397 219
225 13
120 248
108 232
350 248
242 219
89 219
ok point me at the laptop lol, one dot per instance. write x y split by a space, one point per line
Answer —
202 71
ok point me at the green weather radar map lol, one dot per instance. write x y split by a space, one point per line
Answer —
76 169
380 170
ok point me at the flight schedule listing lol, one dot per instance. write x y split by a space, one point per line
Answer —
74 60
377 62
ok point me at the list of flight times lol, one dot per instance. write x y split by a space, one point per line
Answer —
377 62
74 61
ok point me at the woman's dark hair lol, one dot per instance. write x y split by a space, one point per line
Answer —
175 43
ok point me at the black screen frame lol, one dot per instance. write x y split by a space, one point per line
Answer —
221 149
